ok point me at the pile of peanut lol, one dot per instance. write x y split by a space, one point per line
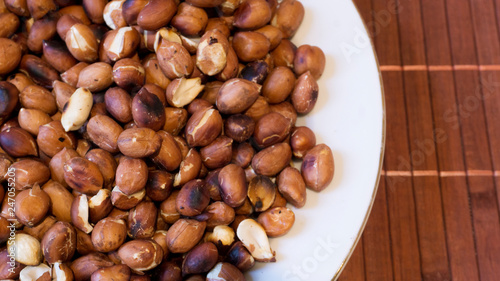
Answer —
152 139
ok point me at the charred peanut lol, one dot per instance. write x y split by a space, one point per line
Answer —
239 127
139 142
309 58
254 238
305 93
141 255
9 95
57 55
271 128
192 199
255 71
180 92
184 234
239 256
77 110
148 110
261 192
104 132
233 185
200 259
211 55
237 95
225 271
59 243
142 220
159 185
31 206
109 234
318 167
40 71
96 77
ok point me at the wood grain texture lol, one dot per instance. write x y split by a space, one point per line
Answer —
425 226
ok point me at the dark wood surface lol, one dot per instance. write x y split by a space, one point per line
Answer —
436 214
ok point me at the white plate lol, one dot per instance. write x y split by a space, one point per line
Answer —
349 117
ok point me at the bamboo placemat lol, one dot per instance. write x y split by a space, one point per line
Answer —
436 214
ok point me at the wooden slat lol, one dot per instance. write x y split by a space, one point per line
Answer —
377 240
431 231
354 270
455 197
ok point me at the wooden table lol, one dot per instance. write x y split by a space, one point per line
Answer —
436 215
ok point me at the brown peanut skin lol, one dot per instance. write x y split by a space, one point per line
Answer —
59 243
105 162
277 221
11 53
139 142
9 97
83 267
200 133
148 110
17 142
217 154
278 85
239 127
305 93
200 259
129 74
318 167
30 172
159 185
156 14
261 193
239 256
292 186
233 185
309 58
272 160
302 139
104 132
118 272
250 46
252 14
184 234
236 95
31 206
119 104
109 234
83 176
192 199
131 175
288 17
271 128
142 220
189 20
222 214
169 155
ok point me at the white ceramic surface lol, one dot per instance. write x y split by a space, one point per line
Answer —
349 117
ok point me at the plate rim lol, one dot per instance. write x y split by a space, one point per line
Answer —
382 151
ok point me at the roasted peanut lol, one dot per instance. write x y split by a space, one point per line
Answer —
192 199
169 155
148 110
271 128
218 153
318 167
272 160
250 46
233 185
